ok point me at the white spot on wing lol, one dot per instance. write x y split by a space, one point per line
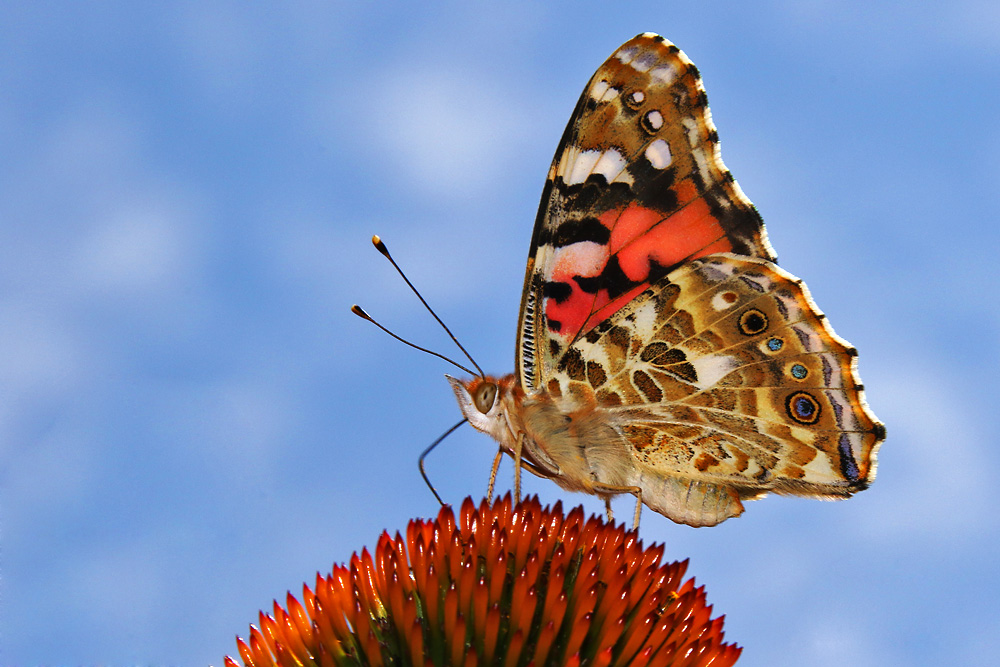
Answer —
664 75
702 162
568 158
609 94
719 302
658 154
712 368
655 119
626 55
610 165
598 89
585 258
691 125
644 62
645 317
700 158
582 166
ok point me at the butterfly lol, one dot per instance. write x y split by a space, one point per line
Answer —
661 352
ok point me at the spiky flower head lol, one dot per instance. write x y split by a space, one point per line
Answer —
504 585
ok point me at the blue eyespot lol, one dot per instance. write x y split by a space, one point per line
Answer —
775 344
799 371
803 408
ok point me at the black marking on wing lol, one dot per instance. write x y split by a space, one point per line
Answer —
557 290
576 231
612 278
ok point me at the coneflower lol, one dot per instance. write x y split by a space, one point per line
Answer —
518 586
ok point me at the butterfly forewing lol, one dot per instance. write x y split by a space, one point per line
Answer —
636 188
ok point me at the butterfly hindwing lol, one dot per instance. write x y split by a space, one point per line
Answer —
726 379
637 187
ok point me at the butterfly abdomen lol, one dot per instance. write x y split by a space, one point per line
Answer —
589 452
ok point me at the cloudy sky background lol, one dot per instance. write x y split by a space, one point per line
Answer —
192 423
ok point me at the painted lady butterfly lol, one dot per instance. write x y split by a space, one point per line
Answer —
661 351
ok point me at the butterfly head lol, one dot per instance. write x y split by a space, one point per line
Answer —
482 400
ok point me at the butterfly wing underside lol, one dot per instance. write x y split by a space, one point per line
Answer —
651 291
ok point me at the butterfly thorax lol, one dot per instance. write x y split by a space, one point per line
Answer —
568 439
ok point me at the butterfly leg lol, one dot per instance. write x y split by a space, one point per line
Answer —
634 490
638 510
607 509
493 475
517 468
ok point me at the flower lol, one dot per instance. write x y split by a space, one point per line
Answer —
504 585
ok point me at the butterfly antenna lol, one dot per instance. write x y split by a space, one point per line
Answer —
359 311
377 242
420 461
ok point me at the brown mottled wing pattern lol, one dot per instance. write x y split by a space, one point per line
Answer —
725 372
636 189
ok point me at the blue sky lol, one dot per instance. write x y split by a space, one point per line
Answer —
192 423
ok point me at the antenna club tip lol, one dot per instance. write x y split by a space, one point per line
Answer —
359 311
377 242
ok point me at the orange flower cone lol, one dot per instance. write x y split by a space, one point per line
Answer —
505 585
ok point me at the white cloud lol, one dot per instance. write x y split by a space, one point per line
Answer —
136 250
89 211
446 132
247 422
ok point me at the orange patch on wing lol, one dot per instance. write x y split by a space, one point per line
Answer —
574 311
638 235
628 224
687 234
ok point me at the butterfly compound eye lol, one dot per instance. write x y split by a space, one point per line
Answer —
485 396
